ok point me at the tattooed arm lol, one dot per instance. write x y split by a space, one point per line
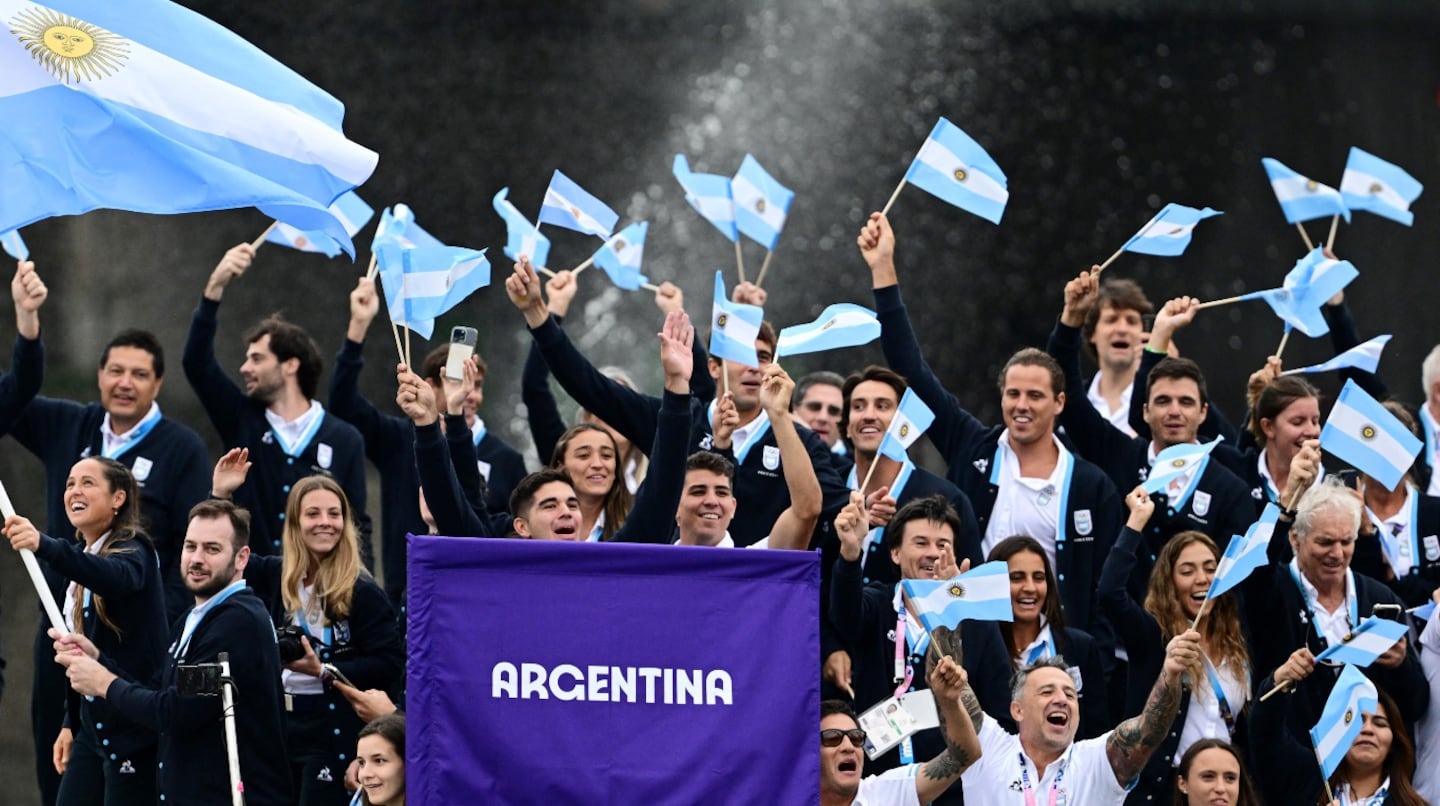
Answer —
962 745
1133 740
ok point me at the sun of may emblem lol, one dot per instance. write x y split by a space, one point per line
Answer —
1349 717
1375 187
1368 432
905 430
722 320
619 244
759 205
71 50
957 590
1312 186
1178 463
960 174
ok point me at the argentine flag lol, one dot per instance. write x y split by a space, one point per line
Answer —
350 210
1313 280
521 237
710 194
568 205
1424 612
1372 184
734 327
14 245
954 167
1174 461
622 255
1371 639
1245 554
980 594
1302 198
1365 357
912 418
1342 720
148 106
761 203
1360 431
397 227
840 325
1169 232
423 282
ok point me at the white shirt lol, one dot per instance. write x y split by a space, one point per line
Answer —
995 779
1120 418
1202 718
112 441
1045 638
69 612
728 542
742 435
298 682
1269 482
1427 731
291 432
1026 506
890 788
1398 526
476 429
1333 625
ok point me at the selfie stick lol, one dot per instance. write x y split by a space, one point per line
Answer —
232 745
32 565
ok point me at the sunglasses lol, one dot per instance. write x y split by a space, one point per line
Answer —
831 737
815 406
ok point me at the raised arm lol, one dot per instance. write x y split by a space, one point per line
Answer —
652 518
949 683
792 530
1134 740
27 371
219 395
1132 623
1093 435
541 411
346 402
443 494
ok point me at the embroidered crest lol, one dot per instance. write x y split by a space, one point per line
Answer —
1074 672
268 438
127 768
770 457
324 775
707 442
1432 547
325 455
1257 494
342 631
1201 503
141 469
1083 522
981 465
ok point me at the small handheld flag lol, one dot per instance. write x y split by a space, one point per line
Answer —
1244 554
1379 187
1175 461
1360 431
955 168
980 594
761 203
840 325
734 326
912 419
1342 720
422 283
1313 280
1424 612
710 195
568 205
14 245
1169 232
622 255
350 210
1364 357
1302 198
521 237
1371 639
397 227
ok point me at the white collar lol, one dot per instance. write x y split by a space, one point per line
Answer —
1012 460
299 424
1313 595
109 432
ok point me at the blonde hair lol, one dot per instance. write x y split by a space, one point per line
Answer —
335 573
1221 625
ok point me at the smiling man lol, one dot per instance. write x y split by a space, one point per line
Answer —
276 415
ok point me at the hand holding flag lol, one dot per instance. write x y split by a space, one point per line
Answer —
1342 719
14 245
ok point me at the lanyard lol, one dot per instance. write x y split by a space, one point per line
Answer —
133 438
1226 713
184 643
1055 792
1401 561
904 666
1350 599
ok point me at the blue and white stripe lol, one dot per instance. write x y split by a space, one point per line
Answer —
1363 433
1302 198
952 166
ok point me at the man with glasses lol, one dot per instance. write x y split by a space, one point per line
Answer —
819 403
842 754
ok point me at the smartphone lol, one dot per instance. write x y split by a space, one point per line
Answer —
337 674
462 346
1393 612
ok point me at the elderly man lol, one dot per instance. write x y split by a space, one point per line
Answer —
1310 598
1043 762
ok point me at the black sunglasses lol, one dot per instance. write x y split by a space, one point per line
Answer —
831 737
815 405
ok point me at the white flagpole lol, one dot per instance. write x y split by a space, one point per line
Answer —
1305 235
32 566
764 267
893 196
739 259
255 244
1283 339
1334 225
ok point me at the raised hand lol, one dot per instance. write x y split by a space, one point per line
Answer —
669 298
727 419
364 307
749 294
1080 296
1304 469
230 472
1182 654
1295 668
560 291
877 246
1176 314
523 289
677 338
850 527
230 267
1141 508
456 391
22 533
414 396
776 389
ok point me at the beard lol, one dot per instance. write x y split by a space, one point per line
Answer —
213 585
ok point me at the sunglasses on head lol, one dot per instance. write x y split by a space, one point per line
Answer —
831 737
815 406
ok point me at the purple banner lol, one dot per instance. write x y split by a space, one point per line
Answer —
554 673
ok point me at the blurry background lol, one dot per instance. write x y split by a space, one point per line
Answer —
1099 112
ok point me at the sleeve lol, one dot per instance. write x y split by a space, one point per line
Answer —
22 383
262 574
461 446
954 427
652 517
377 656
1093 435
112 575
546 425
1137 629
630 412
1343 336
847 600
348 404
970 542
702 386
222 399
1281 763
834 493
448 504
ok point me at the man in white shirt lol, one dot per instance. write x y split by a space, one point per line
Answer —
1114 332
1043 762
842 756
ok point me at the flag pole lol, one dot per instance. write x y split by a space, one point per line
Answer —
1200 613
1214 302
893 196
1286 686
1111 259
255 244
590 261
407 343
1334 225
395 331
373 267
739 259
1283 339
764 267
650 286
546 272
1305 236
32 566
874 463
724 378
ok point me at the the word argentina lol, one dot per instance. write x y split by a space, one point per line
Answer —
634 684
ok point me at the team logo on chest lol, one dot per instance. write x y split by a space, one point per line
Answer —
1201 503
1084 525
1432 547
325 455
770 457
141 469
342 632
981 464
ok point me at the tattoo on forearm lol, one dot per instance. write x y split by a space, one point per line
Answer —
947 765
972 707
1135 739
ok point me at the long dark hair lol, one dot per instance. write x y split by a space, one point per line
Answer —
126 530
1246 796
618 499
1399 764
1008 548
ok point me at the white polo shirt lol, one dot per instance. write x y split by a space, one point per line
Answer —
997 779
1120 418
890 788
1024 505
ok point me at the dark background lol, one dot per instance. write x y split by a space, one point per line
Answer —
1099 112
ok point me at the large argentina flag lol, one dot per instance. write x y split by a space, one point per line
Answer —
547 672
147 106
